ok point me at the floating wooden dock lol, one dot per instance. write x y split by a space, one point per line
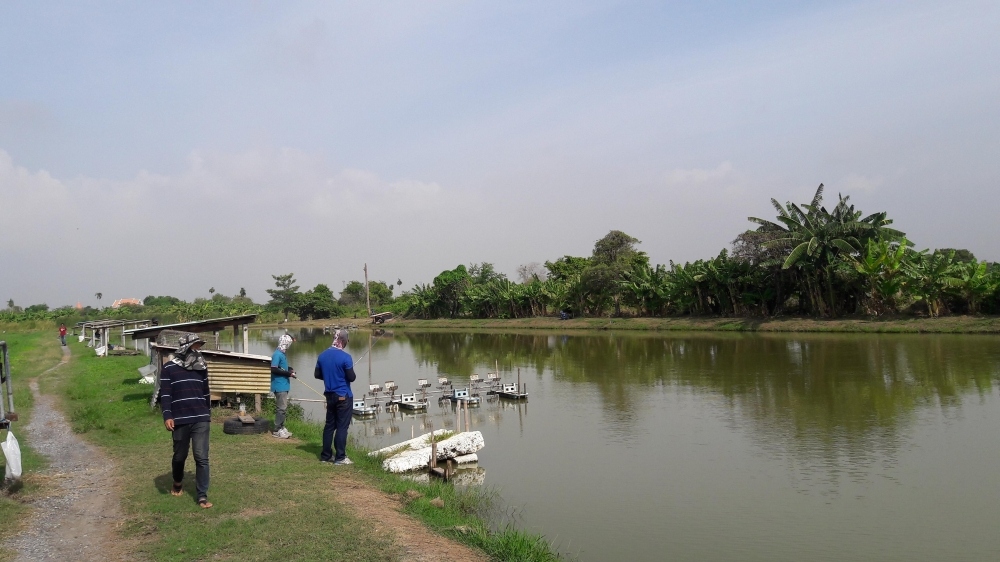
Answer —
386 396
363 410
510 391
462 395
411 402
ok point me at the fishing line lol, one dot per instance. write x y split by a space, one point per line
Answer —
360 357
309 387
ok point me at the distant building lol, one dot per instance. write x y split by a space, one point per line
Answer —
121 302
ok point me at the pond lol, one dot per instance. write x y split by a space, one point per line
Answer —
715 446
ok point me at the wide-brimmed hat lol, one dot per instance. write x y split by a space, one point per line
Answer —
189 339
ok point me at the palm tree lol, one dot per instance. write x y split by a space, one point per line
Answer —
98 295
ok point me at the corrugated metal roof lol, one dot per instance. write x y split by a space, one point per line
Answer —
108 323
209 325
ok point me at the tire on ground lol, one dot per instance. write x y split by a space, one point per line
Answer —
233 426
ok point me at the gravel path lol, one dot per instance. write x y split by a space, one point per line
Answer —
78 520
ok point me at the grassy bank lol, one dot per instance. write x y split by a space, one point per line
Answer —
30 354
899 325
272 498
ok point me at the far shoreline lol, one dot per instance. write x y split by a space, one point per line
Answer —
896 325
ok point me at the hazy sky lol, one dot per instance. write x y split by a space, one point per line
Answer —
165 148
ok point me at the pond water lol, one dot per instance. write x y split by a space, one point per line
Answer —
717 446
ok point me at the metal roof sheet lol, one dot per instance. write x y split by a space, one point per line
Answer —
214 353
209 325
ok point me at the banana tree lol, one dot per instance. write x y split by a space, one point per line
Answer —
928 276
820 239
881 268
973 281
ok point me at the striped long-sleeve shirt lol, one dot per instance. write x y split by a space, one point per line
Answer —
184 395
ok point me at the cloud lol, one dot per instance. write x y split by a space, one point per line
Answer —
238 211
353 192
31 202
434 134
698 177
858 182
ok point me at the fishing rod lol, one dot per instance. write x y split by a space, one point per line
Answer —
307 386
360 357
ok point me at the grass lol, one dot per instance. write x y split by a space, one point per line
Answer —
272 498
30 354
899 324
467 514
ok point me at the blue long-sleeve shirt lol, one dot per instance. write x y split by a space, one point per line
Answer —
280 380
184 395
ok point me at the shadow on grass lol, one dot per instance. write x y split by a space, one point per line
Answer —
165 482
12 486
131 381
312 448
136 396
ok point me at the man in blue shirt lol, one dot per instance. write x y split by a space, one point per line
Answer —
281 375
336 368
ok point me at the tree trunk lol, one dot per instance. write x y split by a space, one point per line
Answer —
829 291
779 302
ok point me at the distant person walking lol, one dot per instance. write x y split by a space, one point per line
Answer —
336 367
62 334
281 378
185 400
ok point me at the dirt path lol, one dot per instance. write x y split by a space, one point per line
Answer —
419 544
78 520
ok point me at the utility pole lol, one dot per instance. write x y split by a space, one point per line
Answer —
368 295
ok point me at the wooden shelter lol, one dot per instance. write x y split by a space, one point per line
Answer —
229 371
100 332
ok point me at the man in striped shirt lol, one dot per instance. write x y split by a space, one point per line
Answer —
185 400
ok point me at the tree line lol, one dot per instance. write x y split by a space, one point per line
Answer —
807 260
286 300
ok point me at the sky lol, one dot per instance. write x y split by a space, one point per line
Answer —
172 147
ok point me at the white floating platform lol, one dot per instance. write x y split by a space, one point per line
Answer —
410 458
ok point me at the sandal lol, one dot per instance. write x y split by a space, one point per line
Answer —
177 490
204 503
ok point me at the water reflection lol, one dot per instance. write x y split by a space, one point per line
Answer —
841 445
829 394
